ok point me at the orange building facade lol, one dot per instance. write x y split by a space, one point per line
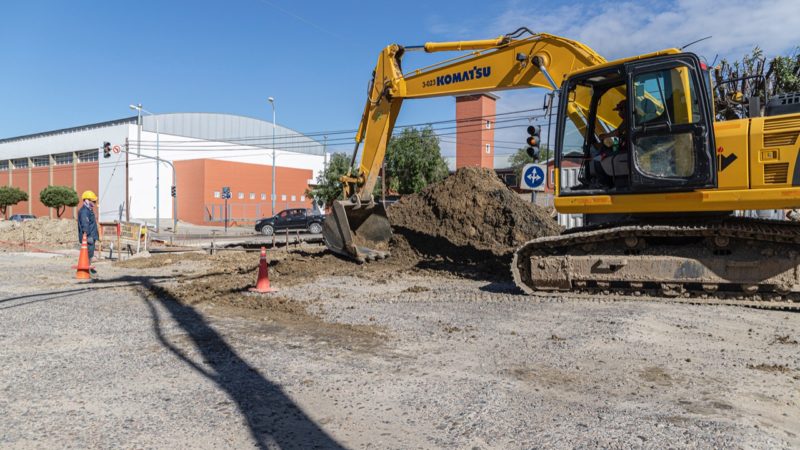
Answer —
200 183
475 121
31 175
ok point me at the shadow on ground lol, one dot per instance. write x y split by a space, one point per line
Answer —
273 419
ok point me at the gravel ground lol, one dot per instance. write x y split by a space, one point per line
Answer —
417 361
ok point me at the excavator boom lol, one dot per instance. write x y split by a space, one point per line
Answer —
358 227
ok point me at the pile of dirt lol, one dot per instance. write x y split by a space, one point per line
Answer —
54 232
472 208
469 224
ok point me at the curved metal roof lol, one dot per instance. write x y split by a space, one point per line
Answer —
208 126
231 128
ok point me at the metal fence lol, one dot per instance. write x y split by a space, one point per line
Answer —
246 212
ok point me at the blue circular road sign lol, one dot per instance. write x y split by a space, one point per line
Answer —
534 176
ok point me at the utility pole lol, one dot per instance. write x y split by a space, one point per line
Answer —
173 188
325 153
272 102
157 158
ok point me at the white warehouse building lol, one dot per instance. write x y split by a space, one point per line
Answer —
209 151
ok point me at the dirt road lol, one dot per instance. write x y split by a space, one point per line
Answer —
392 357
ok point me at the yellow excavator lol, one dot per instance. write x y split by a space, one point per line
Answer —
659 180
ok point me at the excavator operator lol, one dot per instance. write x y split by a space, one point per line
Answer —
612 159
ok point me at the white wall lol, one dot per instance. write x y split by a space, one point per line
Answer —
142 171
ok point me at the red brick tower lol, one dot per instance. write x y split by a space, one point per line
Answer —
475 119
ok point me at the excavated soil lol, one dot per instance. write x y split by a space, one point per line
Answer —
226 277
468 226
52 232
154 261
472 208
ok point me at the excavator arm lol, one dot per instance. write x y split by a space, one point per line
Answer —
358 227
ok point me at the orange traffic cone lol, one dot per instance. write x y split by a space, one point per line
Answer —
262 285
83 262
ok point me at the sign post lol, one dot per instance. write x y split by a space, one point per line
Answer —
533 178
226 194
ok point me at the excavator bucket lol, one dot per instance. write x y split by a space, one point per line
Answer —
360 232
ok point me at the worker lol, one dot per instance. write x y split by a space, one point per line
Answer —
619 132
613 158
87 223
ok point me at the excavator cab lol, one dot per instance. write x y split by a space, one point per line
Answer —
657 111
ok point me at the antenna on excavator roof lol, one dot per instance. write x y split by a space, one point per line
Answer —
695 42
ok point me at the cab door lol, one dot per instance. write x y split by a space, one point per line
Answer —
671 125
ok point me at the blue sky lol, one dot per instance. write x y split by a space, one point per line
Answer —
78 62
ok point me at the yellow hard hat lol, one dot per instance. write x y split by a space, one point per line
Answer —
89 195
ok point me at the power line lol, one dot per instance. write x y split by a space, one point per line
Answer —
205 146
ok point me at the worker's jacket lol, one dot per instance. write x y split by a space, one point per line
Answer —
87 224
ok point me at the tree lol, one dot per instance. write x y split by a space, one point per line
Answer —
754 77
414 160
786 72
518 160
58 197
10 196
329 188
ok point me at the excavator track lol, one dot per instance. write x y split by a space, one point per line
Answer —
739 261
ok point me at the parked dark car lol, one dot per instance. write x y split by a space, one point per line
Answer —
291 219
22 217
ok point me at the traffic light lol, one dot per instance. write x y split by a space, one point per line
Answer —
173 191
106 149
533 141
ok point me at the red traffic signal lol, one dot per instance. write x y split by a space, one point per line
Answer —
533 141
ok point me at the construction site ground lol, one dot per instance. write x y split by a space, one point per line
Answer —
172 351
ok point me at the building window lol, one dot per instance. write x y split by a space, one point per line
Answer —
252 196
63 158
488 148
263 196
302 198
3 165
21 163
87 156
488 124
241 195
283 197
294 198
216 194
40 161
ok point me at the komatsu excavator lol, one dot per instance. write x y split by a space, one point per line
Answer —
659 179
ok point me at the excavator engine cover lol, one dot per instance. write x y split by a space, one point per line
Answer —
360 232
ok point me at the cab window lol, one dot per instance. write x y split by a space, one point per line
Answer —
664 99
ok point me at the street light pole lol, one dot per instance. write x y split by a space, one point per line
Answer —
158 159
175 181
272 102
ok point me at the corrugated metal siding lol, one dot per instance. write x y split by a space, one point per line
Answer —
569 178
773 214
231 128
